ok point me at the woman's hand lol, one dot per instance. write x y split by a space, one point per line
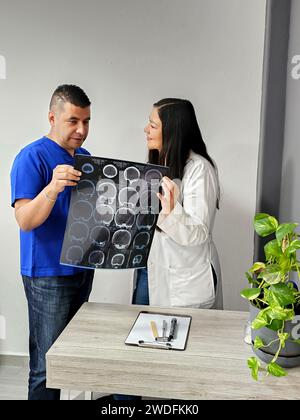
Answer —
170 195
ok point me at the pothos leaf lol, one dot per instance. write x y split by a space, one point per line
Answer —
275 370
253 365
264 224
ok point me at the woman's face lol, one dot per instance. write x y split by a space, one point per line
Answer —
154 131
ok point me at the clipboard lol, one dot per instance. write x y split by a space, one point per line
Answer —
143 333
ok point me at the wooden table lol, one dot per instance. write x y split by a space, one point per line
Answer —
90 355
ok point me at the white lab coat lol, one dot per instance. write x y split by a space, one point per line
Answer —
181 254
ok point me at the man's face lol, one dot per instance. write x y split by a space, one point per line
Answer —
70 125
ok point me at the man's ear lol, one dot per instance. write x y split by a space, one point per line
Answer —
51 118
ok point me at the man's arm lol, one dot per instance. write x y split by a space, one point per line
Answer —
32 213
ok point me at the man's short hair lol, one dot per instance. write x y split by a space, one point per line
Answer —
69 93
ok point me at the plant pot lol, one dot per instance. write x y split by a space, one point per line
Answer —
289 356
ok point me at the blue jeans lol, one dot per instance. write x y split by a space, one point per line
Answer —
140 297
141 292
52 302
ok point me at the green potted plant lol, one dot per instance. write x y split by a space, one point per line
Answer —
274 299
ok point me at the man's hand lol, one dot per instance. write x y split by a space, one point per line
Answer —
63 176
32 213
169 198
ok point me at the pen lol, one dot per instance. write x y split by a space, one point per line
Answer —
154 345
164 328
172 329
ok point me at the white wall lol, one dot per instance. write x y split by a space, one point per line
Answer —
127 54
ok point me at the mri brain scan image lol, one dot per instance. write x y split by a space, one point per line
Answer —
113 213
100 235
103 213
85 189
145 220
149 202
131 173
141 240
87 168
82 210
137 259
107 191
96 258
153 176
74 255
110 171
79 232
121 239
129 197
125 217
117 260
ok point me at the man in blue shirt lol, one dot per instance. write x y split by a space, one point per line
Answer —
41 180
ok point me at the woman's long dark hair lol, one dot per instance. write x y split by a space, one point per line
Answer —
180 135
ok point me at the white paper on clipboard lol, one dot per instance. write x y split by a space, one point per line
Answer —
141 330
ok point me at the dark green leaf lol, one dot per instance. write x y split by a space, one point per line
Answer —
275 325
264 224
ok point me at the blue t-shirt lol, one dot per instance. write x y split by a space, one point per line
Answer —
32 170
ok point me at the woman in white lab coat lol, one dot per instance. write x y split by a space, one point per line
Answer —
183 266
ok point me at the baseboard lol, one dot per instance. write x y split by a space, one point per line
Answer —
21 360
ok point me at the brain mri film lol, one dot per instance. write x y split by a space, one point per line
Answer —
113 213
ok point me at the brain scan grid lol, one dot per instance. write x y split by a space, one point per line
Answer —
113 213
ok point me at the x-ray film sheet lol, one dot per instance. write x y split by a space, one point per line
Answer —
113 213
